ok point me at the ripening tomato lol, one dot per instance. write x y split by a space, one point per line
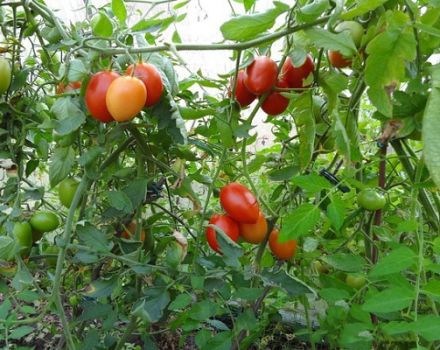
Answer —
283 251
152 80
131 231
337 60
5 75
62 88
239 203
276 103
254 233
355 281
243 96
224 222
371 199
96 92
66 191
294 76
261 75
22 232
44 221
355 30
125 98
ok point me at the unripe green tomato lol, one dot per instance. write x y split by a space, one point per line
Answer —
355 281
5 75
22 232
73 300
44 221
371 199
355 29
66 191
175 254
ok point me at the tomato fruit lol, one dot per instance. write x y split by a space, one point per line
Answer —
254 233
320 268
261 75
95 94
337 60
66 191
371 199
239 203
131 231
62 88
224 222
44 221
355 281
73 300
125 98
22 232
5 75
243 96
283 251
294 76
275 103
354 28
152 80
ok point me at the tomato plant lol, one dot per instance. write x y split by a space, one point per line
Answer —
261 75
239 203
370 199
254 233
295 76
44 221
23 233
225 223
282 250
66 191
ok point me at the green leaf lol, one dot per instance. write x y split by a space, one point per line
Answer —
225 130
345 262
247 27
61 163
246 321
389 300
20 332
387 54
337 212
341 42
102 25
432 288
119 200
93 238
91 155
428 29
427 326
221 341
69 114
102 287
332 83
118 8
398 260
341 137
136 191
181 301
231 250
77 71
283 174
151 307
203 310
431 128
299 222
8 248
293 286
312 183
362 6
248 4
356 336
312 11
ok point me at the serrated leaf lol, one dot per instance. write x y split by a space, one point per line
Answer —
293 286
203 310
312 11
362 6
94 238
283 174
247 27
181 301
341 42
431 128
118 8
102 287
311 183
61 164
152 306
306 128
337 212
389 300
427 326
20 332
69 114
91 155
345 262
7 248
341 137
77 70
398 260
136 190
102 25
120 201
299 222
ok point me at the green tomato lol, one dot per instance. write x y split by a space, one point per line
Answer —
66 191
44 221
355 281
22 232
356 30
5 75
73 300
370 199
51 250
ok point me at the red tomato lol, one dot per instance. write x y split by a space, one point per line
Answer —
96 92
224 222
261 75
276 103
239 203
337 60
125 98
62 88
254 233
295 75
152 80
283 251
243 96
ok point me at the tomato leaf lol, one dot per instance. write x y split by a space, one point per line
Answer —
341 42
345 262
356 336
8 247
389 300
77 71
181 301
247 27
387 54
69 114
431 128
290 284
93 238
362 6
151 307
299 222
203 310
312 183
118 8
61 163
341 136
337 212
20 332
102 288
332 83
398 260
102 25
120 201
312 11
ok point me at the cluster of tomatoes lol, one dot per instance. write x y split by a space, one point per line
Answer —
261 77
244 219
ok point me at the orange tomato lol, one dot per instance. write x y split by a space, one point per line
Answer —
254 233
62 88
131 231
283 251
125 98
337 60
152 80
